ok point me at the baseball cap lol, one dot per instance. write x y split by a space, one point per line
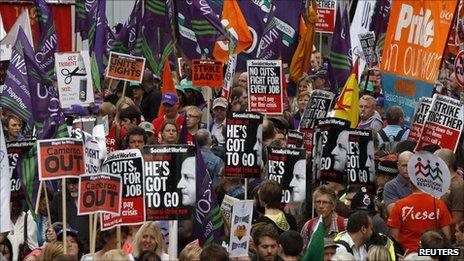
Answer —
134 84
76 109
380 101
69 232
220 102
148 127
329 242
169 98
187 85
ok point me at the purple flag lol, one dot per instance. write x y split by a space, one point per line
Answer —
48 46
85 13
99 43
379 22
269 45
208 218
340 62
15 96
125 40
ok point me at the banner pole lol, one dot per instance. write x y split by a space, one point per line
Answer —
38 198
63 208
90 230
246 188
94 232
320 44
118 237
208 104
173 229
47 204
124 89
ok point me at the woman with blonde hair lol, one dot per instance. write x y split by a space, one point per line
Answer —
378 253
149 237
52 250
190 253
121 104
115 254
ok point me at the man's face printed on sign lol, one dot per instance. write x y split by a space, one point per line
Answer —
298 183
187 182
370 163
340 151
258 145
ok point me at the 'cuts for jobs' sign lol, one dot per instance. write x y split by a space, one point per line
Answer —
265 92
288 167
99 193
16 150
60 158
423 107
244 132
125 67
170 186
129 165
443 125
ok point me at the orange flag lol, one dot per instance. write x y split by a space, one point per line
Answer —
168 84
302 58
235 23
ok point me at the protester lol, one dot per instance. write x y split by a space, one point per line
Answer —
6 250
193 123
369 118
149 238
357 235
329 248
108 240
115 254
170 103
394 131
149 132
378 253
218 124
129 117
42 217
291 245
74 246
213 163
21 221
115 134
190 253
169 133
301 100
265 238
51 251
13 126
136 138
151 99
459 235
214 252
398 187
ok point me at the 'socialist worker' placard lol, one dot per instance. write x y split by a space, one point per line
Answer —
244 145
423 107
129 165
265 86
99 193
170 188
60 158
207 73
125 67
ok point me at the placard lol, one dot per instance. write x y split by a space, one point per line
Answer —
418 120
443 124
170 186
229 75
459 67
226 208
325 16
244 138
356 155
99 193
265 92
240 229
367 41
317 108
125 67
60 158
15 151
207 73
429 173
74 78
129 165
295 139
288 168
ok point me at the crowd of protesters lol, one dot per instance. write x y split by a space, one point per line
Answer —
358 225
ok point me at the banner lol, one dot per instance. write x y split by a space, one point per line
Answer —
169 182
240 229
15 151
244 141
367 41
412 54
207 73
99 193
326 140
360 24
443 124
429 173
125 67
325 16
74 78
355 152
295 139
265 89
60 158
418 120
226 208
128 164
318 106
288 168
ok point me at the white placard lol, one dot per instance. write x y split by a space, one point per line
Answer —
242 215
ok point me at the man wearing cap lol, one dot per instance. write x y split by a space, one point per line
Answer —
170 103
151 95
319 79
149 132
387 169
329 248
219 119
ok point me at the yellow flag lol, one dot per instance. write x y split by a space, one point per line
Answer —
347 106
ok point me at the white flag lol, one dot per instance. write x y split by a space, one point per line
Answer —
7 42
5 185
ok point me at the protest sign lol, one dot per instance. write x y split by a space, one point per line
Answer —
16 150
60 158
207 73
288 168
99 193
244 132
294 139
240 229
129 165
226 208
325 16
443 124
326 140
169 182
418 119
74 78
367 41
125 67
459 67
411 60
265 92
229 75
355 153
318 106
429 173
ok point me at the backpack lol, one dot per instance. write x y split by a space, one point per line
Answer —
344 244
388 144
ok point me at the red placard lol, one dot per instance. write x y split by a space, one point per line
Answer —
99 193
207 73
325 16
125 67
60 158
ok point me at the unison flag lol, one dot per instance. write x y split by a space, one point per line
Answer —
125 40
270 42
379 22
208 218
347 106
98 42
48 45
340 63
85 13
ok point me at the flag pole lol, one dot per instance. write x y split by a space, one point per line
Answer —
173 237
118 237
63 208
90 230
48 205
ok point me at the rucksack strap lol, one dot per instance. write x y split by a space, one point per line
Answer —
383 135
399 135
345 244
